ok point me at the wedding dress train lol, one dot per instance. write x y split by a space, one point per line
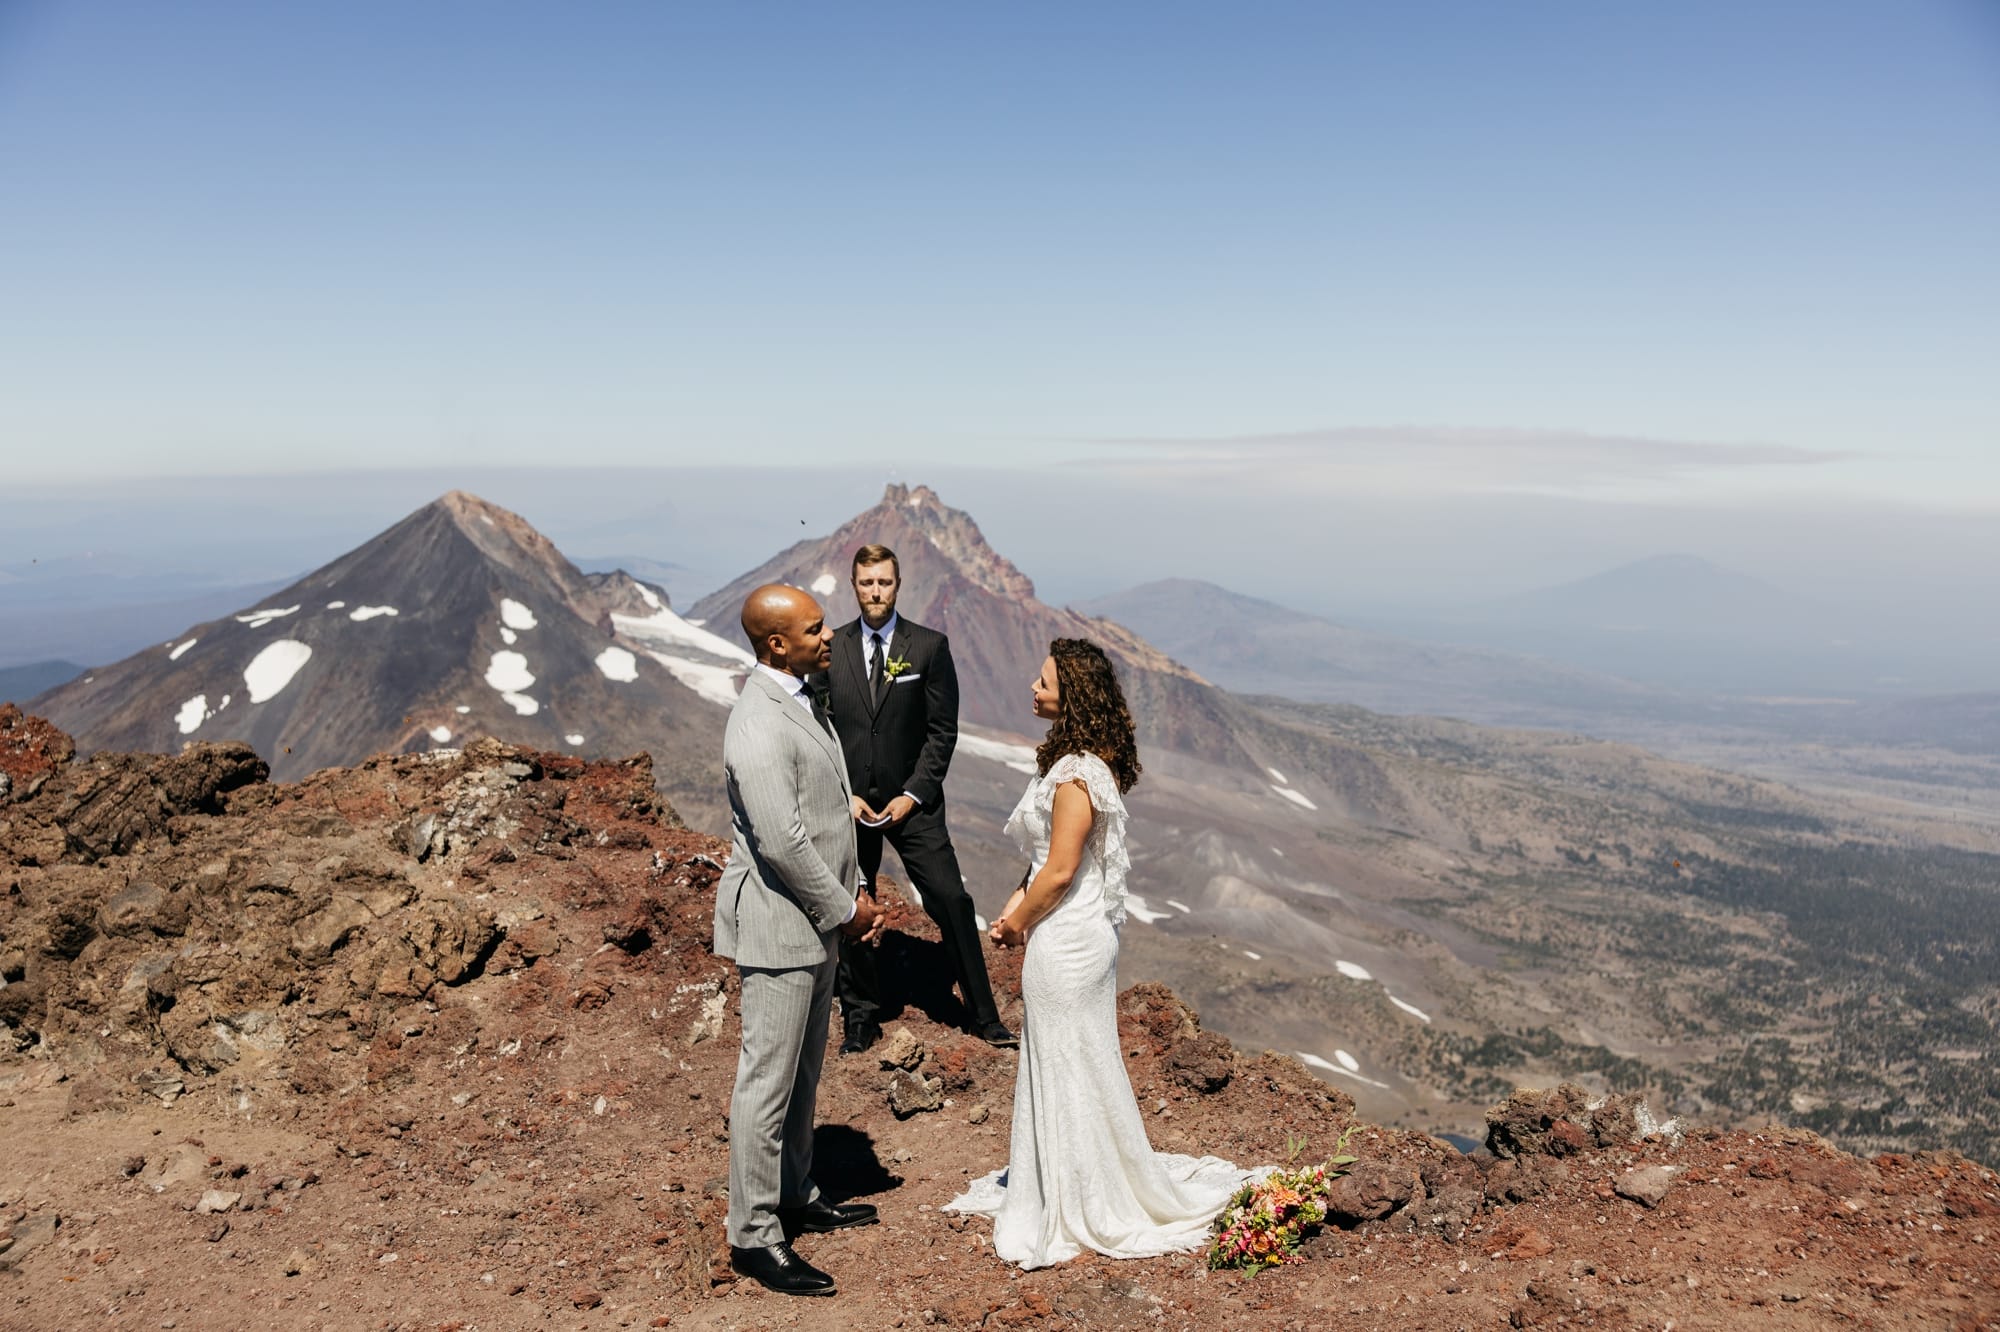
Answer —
1081 1173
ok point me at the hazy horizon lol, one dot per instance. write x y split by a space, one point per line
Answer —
1415 567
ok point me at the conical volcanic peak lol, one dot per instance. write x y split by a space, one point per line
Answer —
460 620
504 536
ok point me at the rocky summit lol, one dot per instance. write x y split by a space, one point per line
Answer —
437 1041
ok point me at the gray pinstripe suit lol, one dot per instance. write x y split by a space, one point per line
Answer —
788 889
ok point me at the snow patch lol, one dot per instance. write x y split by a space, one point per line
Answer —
1328 1066
1279 777
508 672
1295 797
1021 758
618 664
647 595
824 584
717 684
663 628
1254 957
509 637
336 605
572 739
980 923
371 612
1347 1061
521 703
1178 906
273 668
462 709
257 619
1411 1009
192 714
441 734
175 655
1136 905
1648 1124
1352 970
514 615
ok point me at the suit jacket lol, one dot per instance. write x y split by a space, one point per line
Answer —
901 740
791 877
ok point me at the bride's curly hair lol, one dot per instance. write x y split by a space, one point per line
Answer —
1094 717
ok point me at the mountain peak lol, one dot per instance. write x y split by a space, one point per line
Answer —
914 497
460 619
910 516
500 534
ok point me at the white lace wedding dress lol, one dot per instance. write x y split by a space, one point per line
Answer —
1080 1172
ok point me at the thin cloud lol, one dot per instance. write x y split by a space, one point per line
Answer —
1457 458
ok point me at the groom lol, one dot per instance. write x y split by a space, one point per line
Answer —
895 703
788 892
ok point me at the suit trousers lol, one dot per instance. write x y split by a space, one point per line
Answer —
924 845
785 1014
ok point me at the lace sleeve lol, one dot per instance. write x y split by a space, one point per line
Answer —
1107 830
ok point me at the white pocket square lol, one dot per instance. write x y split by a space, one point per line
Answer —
907 676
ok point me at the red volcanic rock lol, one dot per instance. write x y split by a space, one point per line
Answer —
31 750
1202 1063
1561 1121
452 1068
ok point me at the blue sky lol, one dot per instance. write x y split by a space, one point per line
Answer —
1705 253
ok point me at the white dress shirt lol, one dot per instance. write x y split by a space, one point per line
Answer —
888 633
869 648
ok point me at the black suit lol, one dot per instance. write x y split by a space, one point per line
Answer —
898 737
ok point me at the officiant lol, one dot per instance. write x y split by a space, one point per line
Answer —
894 697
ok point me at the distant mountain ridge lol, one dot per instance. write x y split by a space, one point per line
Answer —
1673 593
1253 646
18 682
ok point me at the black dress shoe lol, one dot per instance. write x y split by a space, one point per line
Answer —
996 1033
860 1036
819 1216
778 1268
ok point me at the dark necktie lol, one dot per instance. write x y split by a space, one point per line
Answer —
877 655
820 713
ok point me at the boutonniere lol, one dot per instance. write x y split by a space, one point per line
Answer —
895 666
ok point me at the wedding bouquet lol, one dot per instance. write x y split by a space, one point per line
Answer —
1265 1220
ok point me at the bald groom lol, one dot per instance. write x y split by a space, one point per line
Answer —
780 908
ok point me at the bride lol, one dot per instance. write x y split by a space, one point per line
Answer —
1081 1173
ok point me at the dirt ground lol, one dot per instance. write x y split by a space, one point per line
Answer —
451 1053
